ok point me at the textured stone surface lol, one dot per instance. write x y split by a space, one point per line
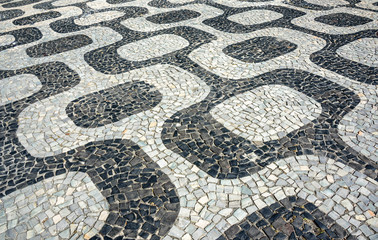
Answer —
112 105
266 113
9 14
98 17
364 51
290 218
61 3
174 16
188 119
259 49
342 20
36 18
68 202
58 46
6 40
255 17
18 87
332 21
328 3
156 46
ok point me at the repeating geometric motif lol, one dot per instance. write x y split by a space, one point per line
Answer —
188 119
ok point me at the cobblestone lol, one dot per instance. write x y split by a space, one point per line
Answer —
181 119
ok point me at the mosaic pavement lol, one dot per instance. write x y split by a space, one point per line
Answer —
188 119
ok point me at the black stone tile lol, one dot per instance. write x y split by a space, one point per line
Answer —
149 228
253 217
232 231
280 236
261 223
310 207
269 232
266 213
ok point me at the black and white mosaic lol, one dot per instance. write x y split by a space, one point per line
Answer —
197 136
259 49
342 20
20 37
290 218
174 16
188 119
9 14
19 3
111 105
58 46
318 4
37 18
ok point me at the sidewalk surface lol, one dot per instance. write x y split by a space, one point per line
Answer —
181 119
